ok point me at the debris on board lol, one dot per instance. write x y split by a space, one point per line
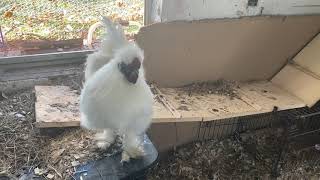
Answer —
219 87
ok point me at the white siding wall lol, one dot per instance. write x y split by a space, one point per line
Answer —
170 10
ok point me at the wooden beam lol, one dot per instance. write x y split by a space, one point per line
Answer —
74 56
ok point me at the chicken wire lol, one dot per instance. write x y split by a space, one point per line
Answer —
296 125
219 129
301 128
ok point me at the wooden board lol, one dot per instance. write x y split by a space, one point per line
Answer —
254 98
211 106
57 106
299 83
267 95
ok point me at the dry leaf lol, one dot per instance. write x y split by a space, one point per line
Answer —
8 14
122 21
121 4
114 16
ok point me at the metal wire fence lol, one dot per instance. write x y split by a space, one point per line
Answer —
298 125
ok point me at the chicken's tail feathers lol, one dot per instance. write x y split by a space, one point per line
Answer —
115 37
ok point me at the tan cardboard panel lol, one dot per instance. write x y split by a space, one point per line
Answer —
309 57
298 83
255 48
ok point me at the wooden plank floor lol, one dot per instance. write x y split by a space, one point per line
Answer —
57 106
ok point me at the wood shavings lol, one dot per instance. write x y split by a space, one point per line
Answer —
50 176
75 163
38 171
72 148
253 158
20 144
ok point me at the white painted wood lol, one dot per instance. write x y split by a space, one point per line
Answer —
171 10
152 11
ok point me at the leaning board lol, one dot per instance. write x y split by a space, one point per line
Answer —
58 106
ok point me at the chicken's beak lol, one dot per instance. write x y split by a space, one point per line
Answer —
133 76
131 71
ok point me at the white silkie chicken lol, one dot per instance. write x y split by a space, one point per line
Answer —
116 98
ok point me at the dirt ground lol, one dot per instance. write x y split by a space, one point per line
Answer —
23 149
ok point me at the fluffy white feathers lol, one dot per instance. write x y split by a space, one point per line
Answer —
111 103
114 39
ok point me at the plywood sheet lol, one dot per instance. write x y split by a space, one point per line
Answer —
309 57
243 49
210 106
253 98
161 113
299 83
266 96
58 106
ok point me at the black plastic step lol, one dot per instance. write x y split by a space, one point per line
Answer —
110 168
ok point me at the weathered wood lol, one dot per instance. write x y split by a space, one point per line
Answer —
44 57
254 98
27 61
57 106
40 72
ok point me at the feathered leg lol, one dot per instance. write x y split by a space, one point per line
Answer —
132 147
105 139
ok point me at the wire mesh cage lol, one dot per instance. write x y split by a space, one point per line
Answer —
283 131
